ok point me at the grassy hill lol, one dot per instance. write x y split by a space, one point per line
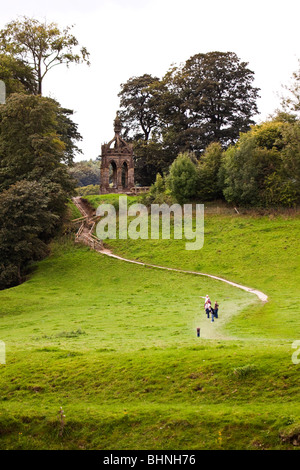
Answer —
114 344
261 252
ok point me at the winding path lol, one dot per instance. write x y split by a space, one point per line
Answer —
86 212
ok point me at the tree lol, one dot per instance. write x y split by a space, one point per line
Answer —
183 178
35 147
86 172
209 99
68 132
263 167
208 170
291 102
140 102
17 76
138 107
150 158
31 147
40 46
290 170
25 224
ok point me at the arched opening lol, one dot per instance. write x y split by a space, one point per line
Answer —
113 182
124 175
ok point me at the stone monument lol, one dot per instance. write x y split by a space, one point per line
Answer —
117 168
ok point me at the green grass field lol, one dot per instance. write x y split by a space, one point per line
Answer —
115 345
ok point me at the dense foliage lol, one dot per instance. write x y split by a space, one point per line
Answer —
208 99
261 169
35 185
31 144
27 222
85 172
183 178
37 144
18 77
89 190
209 187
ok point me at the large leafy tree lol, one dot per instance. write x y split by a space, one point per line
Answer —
37 144
141 123
68 132
41 46
149 158
25 225
31 145
210 98
139 107
35 150
140 103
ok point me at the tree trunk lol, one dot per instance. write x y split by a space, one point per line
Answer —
40 78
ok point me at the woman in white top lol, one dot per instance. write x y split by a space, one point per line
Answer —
207 305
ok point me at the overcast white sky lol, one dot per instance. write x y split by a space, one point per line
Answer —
128 38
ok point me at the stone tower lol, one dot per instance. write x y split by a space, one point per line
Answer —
117 169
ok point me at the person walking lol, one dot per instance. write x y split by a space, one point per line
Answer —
207 305
216 309
212 314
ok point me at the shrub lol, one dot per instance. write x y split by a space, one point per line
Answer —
88 190
183 178
263 168
208 182
158 193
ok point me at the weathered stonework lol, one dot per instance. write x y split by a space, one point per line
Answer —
120 159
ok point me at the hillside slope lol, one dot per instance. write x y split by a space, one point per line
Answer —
115 345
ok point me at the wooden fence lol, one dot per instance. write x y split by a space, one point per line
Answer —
87 223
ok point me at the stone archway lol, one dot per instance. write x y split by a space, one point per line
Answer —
112 175
125 175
